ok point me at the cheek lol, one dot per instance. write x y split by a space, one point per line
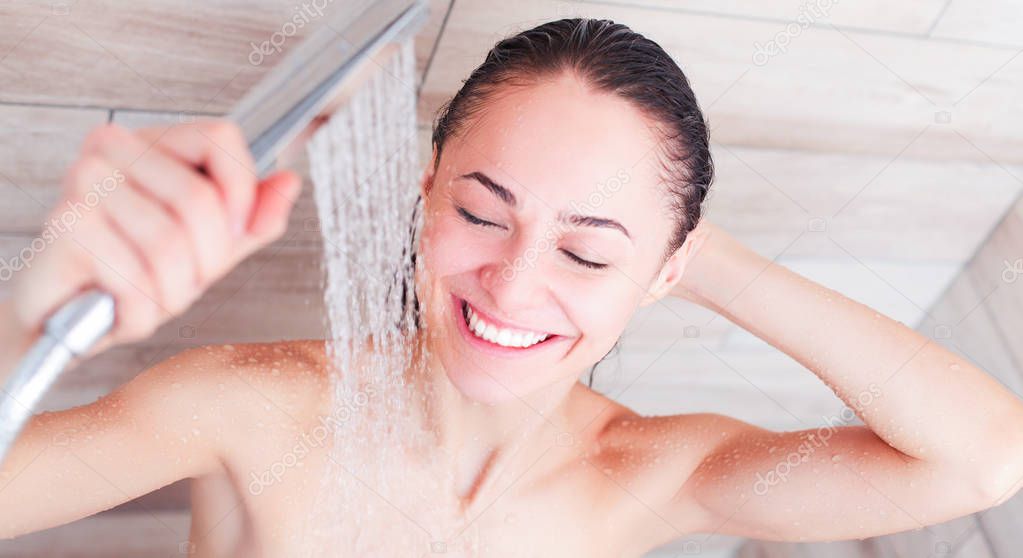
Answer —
603 313
449 247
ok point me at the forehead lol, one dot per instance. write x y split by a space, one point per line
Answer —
559 141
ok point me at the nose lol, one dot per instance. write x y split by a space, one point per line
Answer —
516 283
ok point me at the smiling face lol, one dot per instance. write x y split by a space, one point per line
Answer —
545 228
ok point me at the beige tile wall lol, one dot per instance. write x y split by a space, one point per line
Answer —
896 125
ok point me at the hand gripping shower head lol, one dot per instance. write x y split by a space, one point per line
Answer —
318 74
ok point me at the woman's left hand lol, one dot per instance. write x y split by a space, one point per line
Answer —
692 251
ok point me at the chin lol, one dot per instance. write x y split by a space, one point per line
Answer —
479 387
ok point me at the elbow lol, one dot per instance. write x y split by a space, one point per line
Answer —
1003 476
999 486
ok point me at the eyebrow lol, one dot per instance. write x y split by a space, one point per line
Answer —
591 221
508 198
498 190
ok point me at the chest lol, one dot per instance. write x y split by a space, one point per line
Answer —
323 508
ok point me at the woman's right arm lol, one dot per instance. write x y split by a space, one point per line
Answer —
69 464
153 217
14 342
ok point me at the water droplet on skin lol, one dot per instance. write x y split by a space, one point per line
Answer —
836 457
176 385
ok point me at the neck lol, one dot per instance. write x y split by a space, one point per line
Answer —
481 437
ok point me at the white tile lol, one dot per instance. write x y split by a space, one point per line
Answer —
36 146
914 16
833 90
991 21
126 535
875 207
903 292
154 55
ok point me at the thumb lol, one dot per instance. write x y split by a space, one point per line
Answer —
275 196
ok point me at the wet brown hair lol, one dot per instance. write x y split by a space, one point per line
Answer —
613 59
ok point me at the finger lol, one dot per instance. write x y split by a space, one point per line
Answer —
276 196
191 198
219 147
160 241
114 266
90 178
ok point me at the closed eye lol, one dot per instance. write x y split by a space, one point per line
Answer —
580 261
469 217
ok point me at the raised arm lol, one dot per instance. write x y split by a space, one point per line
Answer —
153 217
942 438
73 463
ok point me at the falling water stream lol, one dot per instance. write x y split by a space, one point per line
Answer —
386 491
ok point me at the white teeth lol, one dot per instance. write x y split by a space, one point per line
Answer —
501 336
504 337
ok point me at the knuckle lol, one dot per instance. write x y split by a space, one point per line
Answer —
135 276
103 134
132 308
224 131
168 249
84 171
198 194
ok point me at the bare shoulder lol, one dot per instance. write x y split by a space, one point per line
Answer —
190 415
649 460
219 390
621 432
618 428
290 376
661 453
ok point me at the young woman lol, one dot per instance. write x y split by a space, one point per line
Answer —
530 281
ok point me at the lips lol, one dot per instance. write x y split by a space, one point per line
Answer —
493 335
485 328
